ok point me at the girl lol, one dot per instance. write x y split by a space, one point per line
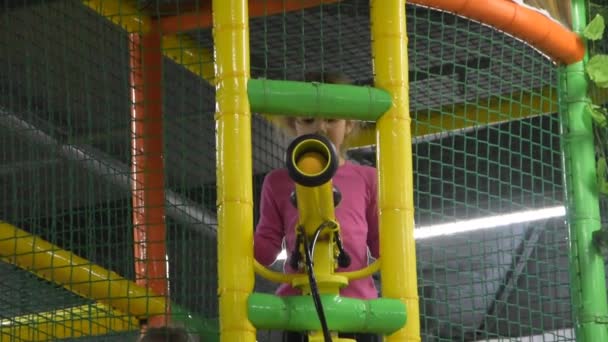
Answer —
356 213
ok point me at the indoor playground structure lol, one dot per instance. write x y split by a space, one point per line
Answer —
135 134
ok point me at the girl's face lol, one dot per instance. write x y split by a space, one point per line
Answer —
334 129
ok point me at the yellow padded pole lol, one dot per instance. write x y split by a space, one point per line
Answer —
85 320
76 274
187 53
180 48
394 160
123 13
234 169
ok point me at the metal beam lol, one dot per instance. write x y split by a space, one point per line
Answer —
179 208
525 248
23 166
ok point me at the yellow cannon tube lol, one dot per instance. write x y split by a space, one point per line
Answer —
316 207
311 162
75 273
234 178
313 205
394 160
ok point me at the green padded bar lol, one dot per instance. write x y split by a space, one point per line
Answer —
297 313
338 101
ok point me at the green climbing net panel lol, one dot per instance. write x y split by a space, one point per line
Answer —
486 142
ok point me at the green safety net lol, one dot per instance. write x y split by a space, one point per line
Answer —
486 143
598 96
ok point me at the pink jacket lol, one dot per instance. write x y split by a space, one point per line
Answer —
357 214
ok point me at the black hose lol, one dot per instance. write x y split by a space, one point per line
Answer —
343 257
326 224
294 260
314 290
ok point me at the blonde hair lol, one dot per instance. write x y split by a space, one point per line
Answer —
287 123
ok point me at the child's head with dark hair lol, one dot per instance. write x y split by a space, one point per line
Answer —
166 334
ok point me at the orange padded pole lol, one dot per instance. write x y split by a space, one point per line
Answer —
147 185
534 28
548 36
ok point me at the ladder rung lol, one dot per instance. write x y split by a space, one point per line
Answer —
338 101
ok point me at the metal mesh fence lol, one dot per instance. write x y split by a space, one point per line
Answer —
486 157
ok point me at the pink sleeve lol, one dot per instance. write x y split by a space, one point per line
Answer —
268 235
372 218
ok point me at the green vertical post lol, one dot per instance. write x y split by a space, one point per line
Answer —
588 284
